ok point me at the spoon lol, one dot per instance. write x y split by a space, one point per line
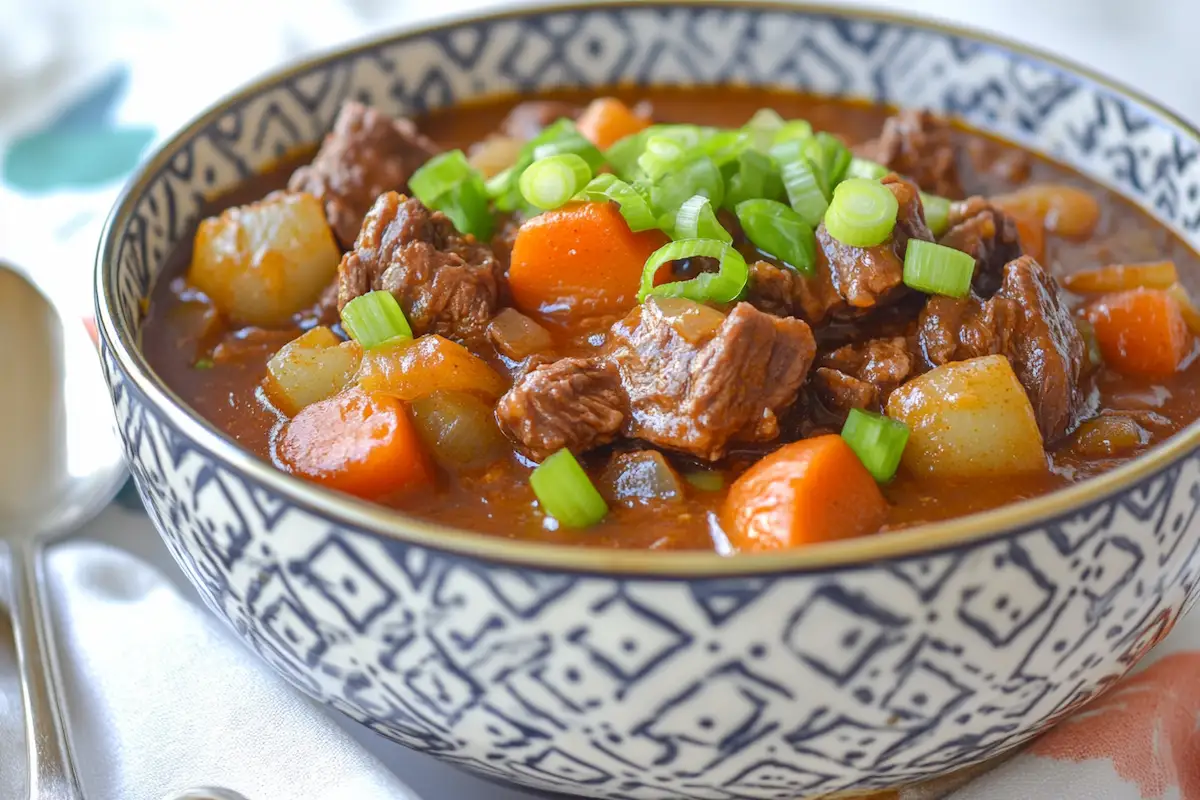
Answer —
61 465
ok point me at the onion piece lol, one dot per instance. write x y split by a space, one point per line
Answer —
641 477
516 336
1186 307
694 321
459 429
1109 435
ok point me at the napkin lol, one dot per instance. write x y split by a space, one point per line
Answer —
161 697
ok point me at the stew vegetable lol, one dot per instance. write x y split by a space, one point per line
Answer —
666 322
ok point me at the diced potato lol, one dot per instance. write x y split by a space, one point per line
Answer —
312 367
263 262
495 154
459 429
969 419
413 368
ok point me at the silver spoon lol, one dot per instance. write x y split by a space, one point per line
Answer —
61 464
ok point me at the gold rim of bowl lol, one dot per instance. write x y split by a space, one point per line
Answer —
342 509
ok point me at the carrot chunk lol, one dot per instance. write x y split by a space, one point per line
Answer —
357 442
1031 231
1120 277
607 120
814 490
580 260
1140 331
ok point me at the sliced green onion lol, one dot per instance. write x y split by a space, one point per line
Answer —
862 213
623 155
756 177
793 130
706 480
804 191
762 127
779 232
566 493
877 441
937 269
558 138
862 168
1091 344
937 213
449 184
660 156
726 147
204 363
830 157
697 176
374 318
551 182
696 220
722 286
633 205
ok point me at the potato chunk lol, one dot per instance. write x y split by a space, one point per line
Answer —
312 367
413 368
968 419
263 262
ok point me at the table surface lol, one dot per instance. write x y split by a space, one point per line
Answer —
1148 45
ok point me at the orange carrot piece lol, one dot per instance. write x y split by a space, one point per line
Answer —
357 442
580 261
1064 210
607 120
1032 233
1191 315
1119 277
1141 331
813 490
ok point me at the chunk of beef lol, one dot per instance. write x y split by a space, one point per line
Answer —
446 283
784 292
575 403
1026 320
527 119
1047 351
988 235
699 395
950 329
862 375
919 145
866 277
366 154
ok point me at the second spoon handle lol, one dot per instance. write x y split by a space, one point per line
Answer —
51 774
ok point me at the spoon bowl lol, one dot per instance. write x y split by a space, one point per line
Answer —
62 465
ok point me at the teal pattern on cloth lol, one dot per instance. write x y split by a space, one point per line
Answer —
82 146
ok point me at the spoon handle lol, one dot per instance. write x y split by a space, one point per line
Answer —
51 774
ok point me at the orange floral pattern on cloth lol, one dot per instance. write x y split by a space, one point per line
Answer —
1148 726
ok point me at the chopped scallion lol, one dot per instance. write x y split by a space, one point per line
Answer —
550 182
722 286
830 157
696 220
937 213
762 127
449 184
756 177
697 176
566 493
804 191
661 155
779 232
374 318
633 205
878 441
862 168
558 138
937 269
862 213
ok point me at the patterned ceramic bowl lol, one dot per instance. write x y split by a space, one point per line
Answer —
852 666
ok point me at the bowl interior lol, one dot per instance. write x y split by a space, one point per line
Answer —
1106 133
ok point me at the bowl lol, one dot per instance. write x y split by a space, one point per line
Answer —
847 667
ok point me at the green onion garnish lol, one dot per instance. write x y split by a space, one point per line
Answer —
706 480
862 168
762 127
779 232
725 147
877 441
937 213
566 493
661 155
696 176
722 286
756 177
829 156
862 213
558 138
374 318
449 184
804 191
937 269
633 205
696 220
550 182
204 363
